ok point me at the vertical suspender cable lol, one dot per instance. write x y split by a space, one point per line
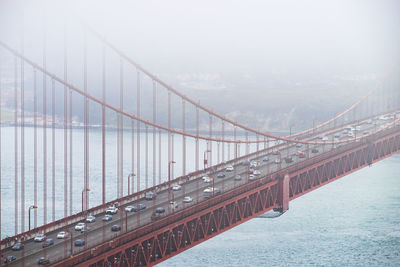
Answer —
159 156
86 122
34 148
147 156
223 143
183 139
138 132
169 132
53 152
210 148
22 142
15 147
122 125
103 131
133 152
44 132
65 126
197 139
70 154
154 133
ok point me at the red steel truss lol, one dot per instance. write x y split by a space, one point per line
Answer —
161 240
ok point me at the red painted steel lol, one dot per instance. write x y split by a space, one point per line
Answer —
174 234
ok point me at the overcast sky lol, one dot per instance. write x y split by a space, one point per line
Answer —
216 42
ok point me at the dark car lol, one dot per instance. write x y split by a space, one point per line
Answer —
43 261
138 207
10 258
160 210
221 175
18 246
115 228
150 195
107 218
48 242
156 216
79 243
314 150
288 160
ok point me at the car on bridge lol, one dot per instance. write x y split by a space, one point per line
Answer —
39 238
252 177
79 226
277 161
17 246
257 172
301 154
265 159
208 192
112 210
176 187
207 180
299 145
107 218
9 259
288 159
275 152
79 243
62 235
314 150
229 168
160 210
115 228
150 195
43 261
86 229
90 219
48 242
187 199
135 208
238 177
220 175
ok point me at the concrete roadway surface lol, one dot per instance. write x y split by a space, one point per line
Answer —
101 231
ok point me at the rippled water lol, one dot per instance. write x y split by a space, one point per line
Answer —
354 221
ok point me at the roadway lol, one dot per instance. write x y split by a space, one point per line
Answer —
101 231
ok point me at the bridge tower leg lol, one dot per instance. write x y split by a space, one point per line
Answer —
284 193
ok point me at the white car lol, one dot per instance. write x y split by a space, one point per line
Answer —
39 238
277 161
238 177
325 138
207 180
229 168
90 219
62 235
252 177
112 210
176 187
257 172
187 199
80 226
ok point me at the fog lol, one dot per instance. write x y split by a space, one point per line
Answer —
264 62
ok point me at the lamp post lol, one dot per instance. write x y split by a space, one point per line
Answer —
205 159
29 211
84 190
129 187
